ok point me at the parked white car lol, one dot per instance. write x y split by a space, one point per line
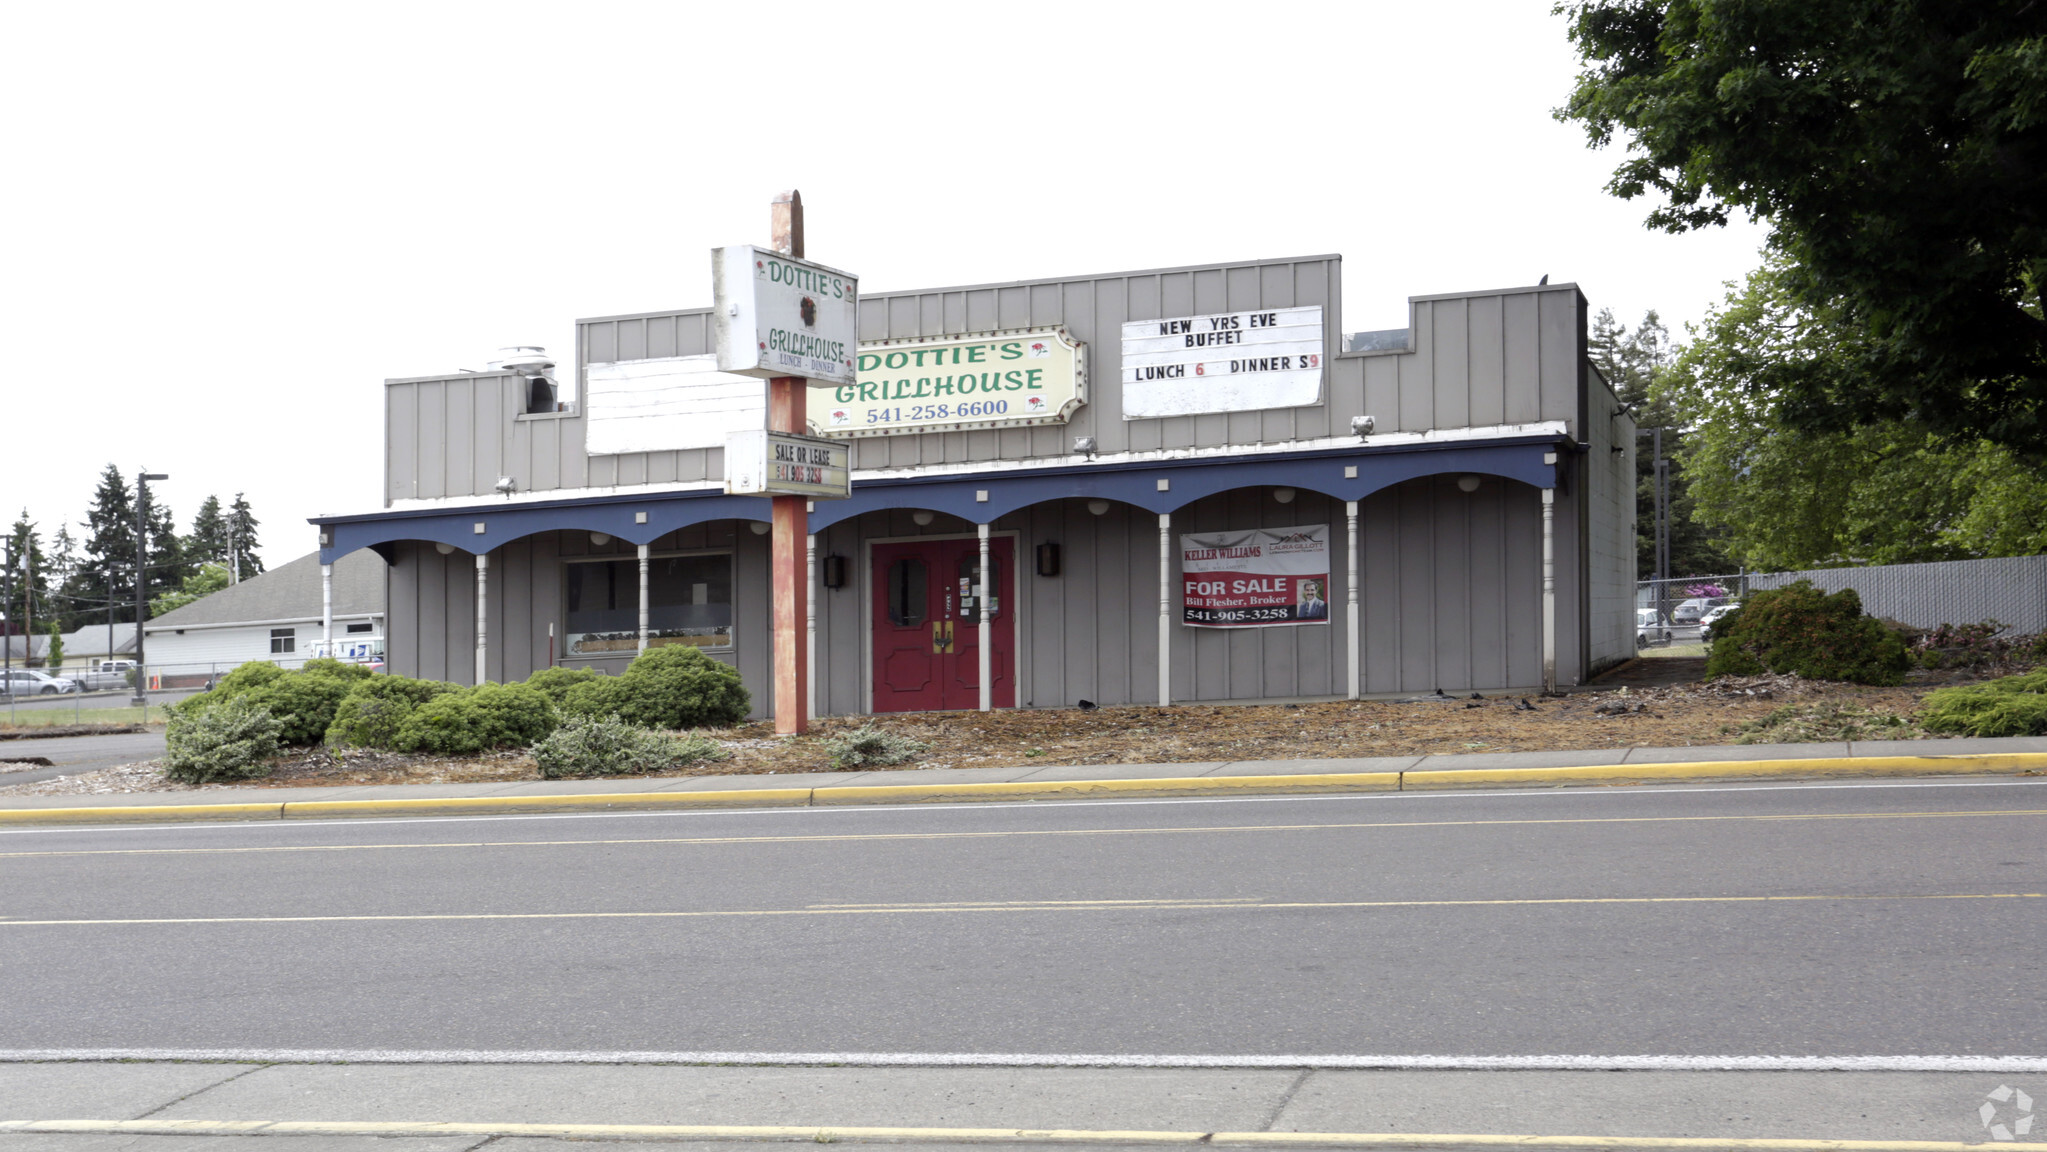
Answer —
1692 610
1649 629
1712 614
29 682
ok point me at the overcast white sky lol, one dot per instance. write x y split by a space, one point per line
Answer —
226 224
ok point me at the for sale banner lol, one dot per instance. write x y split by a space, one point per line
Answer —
1262 578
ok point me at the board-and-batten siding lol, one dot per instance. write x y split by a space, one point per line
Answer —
1487 358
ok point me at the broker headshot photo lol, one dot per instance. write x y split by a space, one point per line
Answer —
1312 605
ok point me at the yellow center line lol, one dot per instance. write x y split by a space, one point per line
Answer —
883 836
1028 906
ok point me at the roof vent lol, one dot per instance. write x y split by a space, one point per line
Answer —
525 359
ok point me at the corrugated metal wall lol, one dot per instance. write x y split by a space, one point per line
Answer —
2010 590
1504 357
433 606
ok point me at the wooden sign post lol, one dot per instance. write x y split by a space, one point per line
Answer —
777 313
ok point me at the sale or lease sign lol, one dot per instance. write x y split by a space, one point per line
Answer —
1259 578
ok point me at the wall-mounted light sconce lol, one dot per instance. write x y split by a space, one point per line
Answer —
760 527
1048 559
831 571
600 539
1084 446
1361 426
1098 507
1283 495
445 549
921 517
1467 483
506 485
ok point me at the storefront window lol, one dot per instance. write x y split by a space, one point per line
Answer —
689 602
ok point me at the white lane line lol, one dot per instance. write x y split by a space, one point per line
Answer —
998 805
1645 1063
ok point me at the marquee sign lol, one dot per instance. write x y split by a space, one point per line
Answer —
778 316
1223 362
1260 578
1005 379
763 463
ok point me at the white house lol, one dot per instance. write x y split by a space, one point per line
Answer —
275 616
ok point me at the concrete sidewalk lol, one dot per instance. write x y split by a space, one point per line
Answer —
1597 767
1089 1103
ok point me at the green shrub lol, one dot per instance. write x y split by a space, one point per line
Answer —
556 682
2011 706
587 746
1800 630
325 666
668 687
472 720
303 704
370 715
233 741
868 745
254 674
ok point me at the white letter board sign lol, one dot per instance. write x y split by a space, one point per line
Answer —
1223 362
776 316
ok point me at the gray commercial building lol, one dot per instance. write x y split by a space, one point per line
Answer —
1446 506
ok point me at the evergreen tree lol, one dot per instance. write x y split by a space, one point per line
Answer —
107 570
28 579
168 565
208 542
1634 362
241 526
63 555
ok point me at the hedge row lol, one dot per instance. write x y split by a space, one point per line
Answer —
348 706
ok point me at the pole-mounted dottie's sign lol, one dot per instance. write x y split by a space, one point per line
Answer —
778 316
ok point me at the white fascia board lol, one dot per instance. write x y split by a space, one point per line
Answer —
1434 437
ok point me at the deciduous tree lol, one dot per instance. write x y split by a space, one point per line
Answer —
1897 150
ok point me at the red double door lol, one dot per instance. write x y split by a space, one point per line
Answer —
927 630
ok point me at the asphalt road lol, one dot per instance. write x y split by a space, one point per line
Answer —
70 755
1863 919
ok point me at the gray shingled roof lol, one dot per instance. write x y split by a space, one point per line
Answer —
290 592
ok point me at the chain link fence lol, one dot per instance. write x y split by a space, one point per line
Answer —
2009 590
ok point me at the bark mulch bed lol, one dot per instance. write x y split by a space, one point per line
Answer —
1646 710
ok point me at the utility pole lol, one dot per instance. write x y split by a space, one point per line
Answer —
142 480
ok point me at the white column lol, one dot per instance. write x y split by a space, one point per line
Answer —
987 630
644 599
327 606
1549 589
1356 626
482 614
1165 609
810 606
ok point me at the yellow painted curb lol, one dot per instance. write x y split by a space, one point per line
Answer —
1081 789
1426 780
152 813
828 1133
1305 783
485 805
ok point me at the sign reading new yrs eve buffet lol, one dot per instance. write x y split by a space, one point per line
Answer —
1223 362
778 316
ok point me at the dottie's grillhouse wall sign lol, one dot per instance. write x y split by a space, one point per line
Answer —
763 463
775 316
1260 578
1224 362
939 384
